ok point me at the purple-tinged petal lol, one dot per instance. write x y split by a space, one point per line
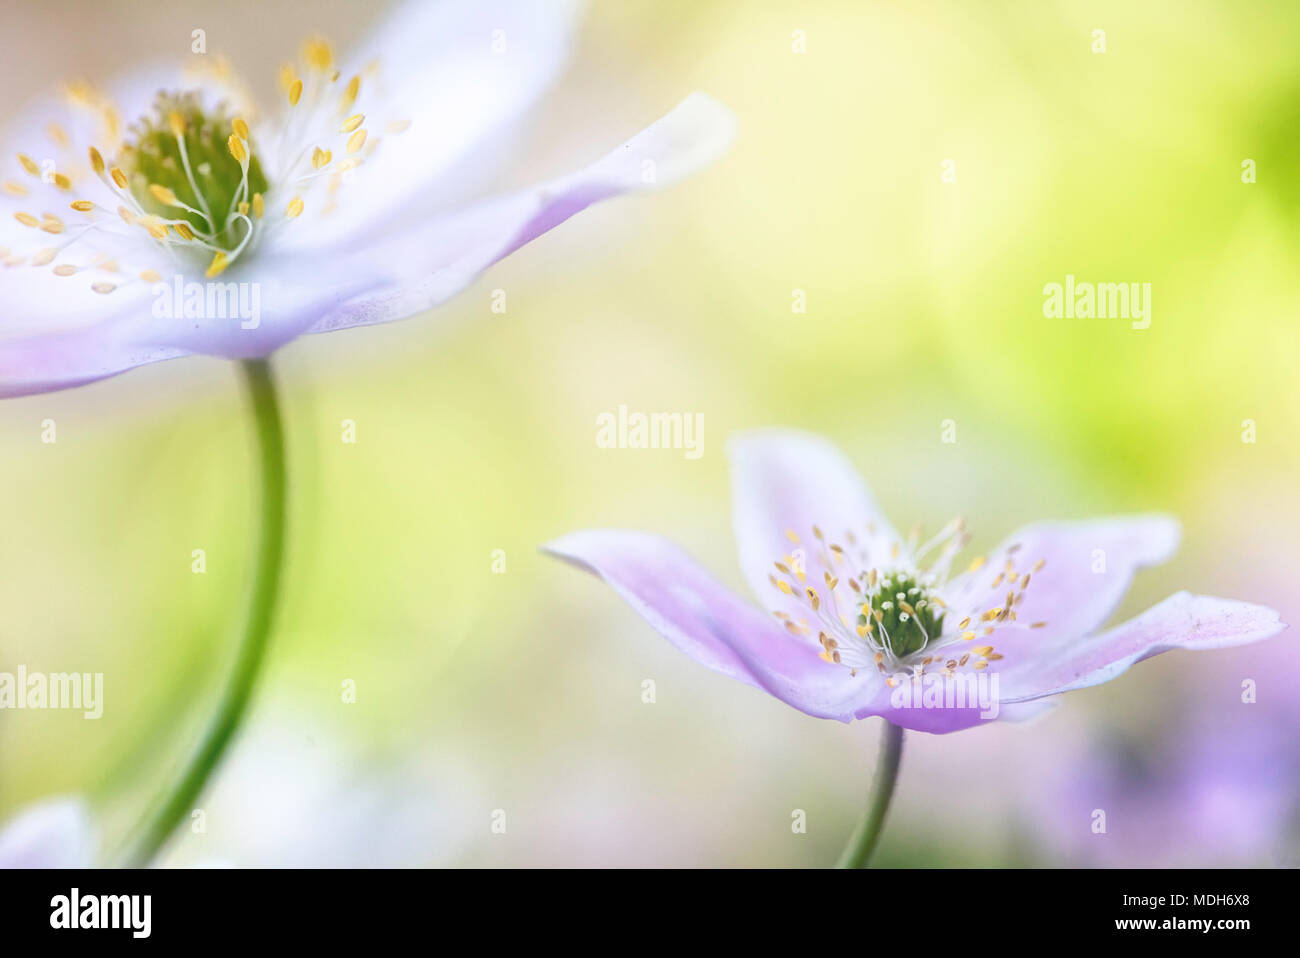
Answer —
57 833
1086 568
711 624
1182 621
425 267
786 482
463 75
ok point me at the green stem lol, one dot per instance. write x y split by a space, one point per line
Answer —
863 841
233 704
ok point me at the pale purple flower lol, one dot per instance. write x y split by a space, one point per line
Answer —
55 833
347 203
854 617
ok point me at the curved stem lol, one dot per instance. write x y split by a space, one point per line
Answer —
252 650
863 841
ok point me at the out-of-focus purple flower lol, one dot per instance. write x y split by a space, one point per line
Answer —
870 623
56 833
1217 785
345 206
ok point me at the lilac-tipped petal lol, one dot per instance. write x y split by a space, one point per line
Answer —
1087 567
1182 621
465 75
56 833
711 624
785 481
427 266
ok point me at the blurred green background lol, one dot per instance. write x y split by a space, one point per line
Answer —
476 432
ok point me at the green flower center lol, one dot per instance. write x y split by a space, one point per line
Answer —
905 613
182 167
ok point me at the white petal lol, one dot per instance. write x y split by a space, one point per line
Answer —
57 833
462 74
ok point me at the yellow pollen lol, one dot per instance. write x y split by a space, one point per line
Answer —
52 224
982 649
127 216
45 256
790 534
287 77
163 194
218 265
14 189
155 227
96 161
981 665
240 128
57 134
119 178
259 205
184 230
967 636
236 146
243 209
151 276
350 94
321 158
317 53
176 123
295 92
356 141
27 219
295 207
62 182
29 164
82 206
977 564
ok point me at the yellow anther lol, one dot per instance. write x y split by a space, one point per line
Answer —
103 288
240 128
45 256
321 158
259 205
295 92
184 231
977 564
163 195
14 189
352 123
317 54
57 134
119 178
243 209
176 123
27 219
350 94
399 126
295 207
127 216
65 269
62 182
967 636
96 161
784 586
29 164
982 649
155 227
218 265
286 76
52 224
151 276
82 206
236 146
